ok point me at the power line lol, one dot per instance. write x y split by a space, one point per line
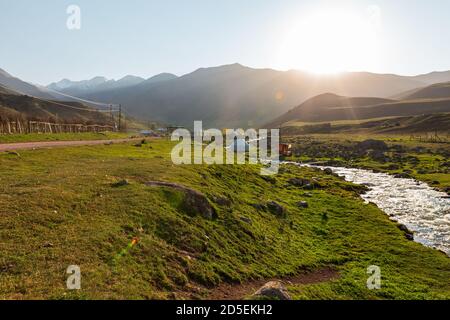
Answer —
80 99
61 104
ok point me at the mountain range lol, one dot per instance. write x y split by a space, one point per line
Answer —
234 96
99 84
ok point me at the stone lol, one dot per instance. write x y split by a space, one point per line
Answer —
222 201
245 219
258 206
273 290
194 200
302 204
121 183
402 175
372 144
276 208
298 182
408 233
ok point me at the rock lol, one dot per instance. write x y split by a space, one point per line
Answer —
48 245
372 145
273 290
245 219
408 233
195 201
258 206
402 175
377 155
393 166
121 183
409 236
269 179
309 186
302 204
222 201
276 208
328 171
298 182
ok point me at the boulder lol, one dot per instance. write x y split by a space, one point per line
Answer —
222 201
402 175
298 182
246 219
195 201
408 233
273 290
276 208
121 183
302 204
377 155
372 144
258 206
309 186
328 171
393 166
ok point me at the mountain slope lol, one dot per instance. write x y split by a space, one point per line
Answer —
435 91
433 77
331 107
320 107
23 87
235 95
15 106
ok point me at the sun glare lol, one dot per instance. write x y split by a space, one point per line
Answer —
332 42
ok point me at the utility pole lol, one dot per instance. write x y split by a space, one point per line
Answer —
120 117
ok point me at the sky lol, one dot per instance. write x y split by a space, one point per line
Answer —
146 37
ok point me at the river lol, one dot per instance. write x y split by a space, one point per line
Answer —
414 204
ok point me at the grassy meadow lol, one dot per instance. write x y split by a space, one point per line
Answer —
38 137
85 205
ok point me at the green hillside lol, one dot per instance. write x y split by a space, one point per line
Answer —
84 206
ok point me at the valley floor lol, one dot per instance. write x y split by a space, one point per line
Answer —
85 205
40 137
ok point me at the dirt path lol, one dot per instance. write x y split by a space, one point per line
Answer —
240 291
54 144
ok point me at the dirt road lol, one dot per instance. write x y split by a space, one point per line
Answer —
240 291
54 144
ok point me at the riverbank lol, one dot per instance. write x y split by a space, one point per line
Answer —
424 212
99 207
397 155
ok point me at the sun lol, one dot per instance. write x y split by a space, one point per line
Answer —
331 42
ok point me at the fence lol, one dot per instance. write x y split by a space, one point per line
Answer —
432 137
17 127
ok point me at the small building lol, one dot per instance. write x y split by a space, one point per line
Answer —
147 133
